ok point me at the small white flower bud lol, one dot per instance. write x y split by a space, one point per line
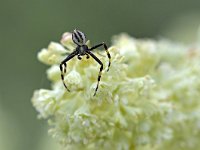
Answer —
73 79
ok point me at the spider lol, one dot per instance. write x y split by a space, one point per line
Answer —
82 49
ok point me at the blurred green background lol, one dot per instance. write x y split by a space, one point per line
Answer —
26 26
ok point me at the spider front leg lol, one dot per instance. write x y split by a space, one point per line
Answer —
100 71
63 67
106 49
87 56
79 57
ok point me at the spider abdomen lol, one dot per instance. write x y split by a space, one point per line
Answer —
78 37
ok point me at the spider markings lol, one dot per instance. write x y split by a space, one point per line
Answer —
82 49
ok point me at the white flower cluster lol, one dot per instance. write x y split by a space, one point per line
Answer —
148 100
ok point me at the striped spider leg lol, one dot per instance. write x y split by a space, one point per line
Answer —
63 67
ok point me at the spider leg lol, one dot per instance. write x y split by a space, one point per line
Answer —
63 67
87 56
106 49
100 71
79 57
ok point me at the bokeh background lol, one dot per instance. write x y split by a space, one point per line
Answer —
26 26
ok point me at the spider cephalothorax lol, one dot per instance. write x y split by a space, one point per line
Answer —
79 39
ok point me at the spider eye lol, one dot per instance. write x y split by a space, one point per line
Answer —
78 37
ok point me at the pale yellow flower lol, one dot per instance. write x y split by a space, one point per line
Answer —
148 99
